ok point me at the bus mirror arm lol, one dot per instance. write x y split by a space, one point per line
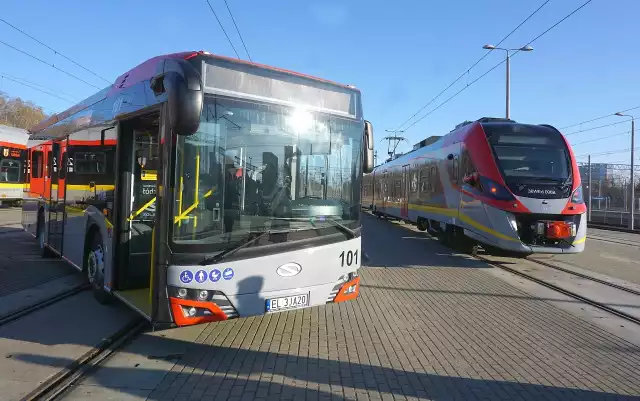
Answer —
183 87
367 145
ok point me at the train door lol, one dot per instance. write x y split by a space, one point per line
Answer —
37 167
56 193
49 181
138 163
404 194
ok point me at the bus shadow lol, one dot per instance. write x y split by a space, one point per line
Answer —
199 371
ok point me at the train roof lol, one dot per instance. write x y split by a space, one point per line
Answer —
14 135
144 72
458 134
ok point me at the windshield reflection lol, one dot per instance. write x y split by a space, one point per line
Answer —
252 167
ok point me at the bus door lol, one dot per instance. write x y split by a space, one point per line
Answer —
404 200
138 155
56 201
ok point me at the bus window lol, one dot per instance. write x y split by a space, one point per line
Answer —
36 165
90 162
10 170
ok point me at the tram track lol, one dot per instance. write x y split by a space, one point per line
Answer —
585 276
12 316
57 385
619 241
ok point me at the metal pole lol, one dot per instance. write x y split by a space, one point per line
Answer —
508 83
632 216
589 188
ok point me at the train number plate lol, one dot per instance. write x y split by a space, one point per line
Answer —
288 302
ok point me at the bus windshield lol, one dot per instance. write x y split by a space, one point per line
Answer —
254 167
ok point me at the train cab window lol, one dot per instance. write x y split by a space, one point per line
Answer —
10 170
90 163
37 164
469 172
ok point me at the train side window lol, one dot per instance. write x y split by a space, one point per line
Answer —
37 164
433 176
424 179
90 162
63 166
49 163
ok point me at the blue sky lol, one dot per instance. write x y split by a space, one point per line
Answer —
400 54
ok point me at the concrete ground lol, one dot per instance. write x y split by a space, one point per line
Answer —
429 324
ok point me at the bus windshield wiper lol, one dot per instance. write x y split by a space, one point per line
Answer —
212 260
349 232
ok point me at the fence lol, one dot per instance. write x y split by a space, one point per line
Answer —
609 192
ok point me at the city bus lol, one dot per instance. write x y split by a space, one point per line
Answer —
13 167
199 188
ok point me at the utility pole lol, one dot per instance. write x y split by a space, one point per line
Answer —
589 189
632 191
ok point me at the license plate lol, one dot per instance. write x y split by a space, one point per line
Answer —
289 302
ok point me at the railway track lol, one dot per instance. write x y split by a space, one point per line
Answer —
10 317
586 276
619 241
57 385
564 291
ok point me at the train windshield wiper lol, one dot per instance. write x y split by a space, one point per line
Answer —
212 260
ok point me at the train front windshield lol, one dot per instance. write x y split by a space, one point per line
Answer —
253 167
10 165
526 152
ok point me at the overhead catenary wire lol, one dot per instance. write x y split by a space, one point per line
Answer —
223 30
470 68
55 51
50 65
595 128
35 88
600 118
500 63
238 30
601 138
73 99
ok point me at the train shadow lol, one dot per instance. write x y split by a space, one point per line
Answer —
390 245
201 371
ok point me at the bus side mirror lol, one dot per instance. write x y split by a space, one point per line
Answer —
183 87
367 159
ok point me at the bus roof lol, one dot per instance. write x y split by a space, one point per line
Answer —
146 71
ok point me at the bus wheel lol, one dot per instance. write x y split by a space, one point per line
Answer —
94 259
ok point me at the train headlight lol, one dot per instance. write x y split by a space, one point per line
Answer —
540 228
577 197
182 292
203 295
